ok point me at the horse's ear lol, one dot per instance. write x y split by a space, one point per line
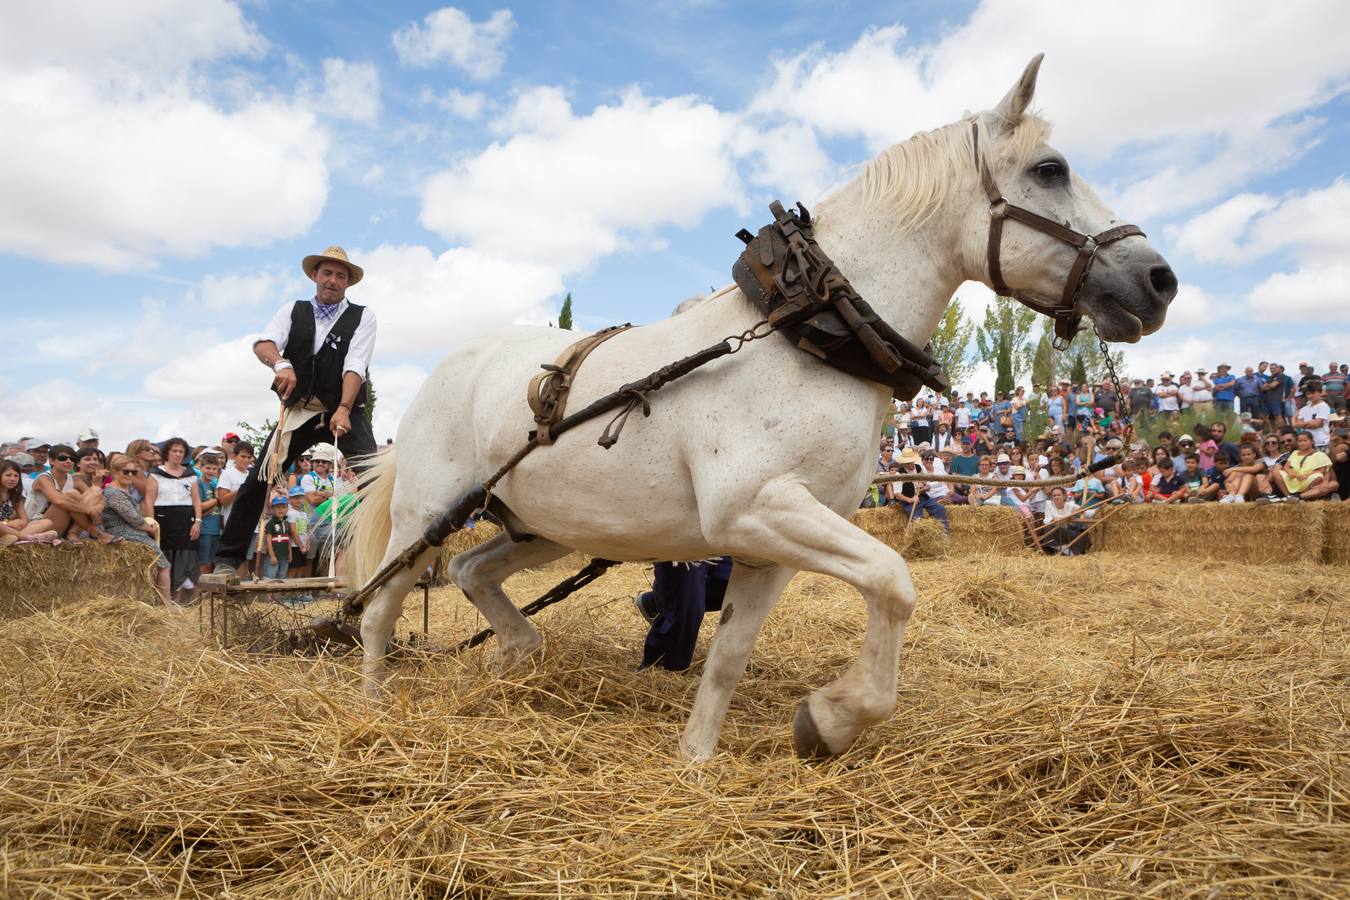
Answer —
1012 106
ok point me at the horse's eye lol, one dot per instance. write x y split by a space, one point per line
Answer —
1051 170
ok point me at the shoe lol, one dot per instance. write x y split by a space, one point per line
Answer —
1269 498
1293 498
645 602
226 568
1238 498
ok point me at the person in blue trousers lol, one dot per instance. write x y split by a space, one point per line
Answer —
681 593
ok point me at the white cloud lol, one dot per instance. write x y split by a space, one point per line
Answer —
448 34
108 162
1222 74
351 91
135 42
1315 225
1215 234
1319 292
566 189
227 293
1193 307
429 304
458 103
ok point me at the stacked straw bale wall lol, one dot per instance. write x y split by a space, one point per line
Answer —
1252 533
39 577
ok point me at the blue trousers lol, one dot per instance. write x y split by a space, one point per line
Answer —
927 504
684 592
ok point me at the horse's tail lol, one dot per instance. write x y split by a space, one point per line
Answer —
367 535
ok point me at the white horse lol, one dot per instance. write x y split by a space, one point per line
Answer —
762 455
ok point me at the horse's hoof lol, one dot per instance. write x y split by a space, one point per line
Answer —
806 739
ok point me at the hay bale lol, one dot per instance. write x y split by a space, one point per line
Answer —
1335 533
977 530
1252 533
42 577
982 530
921 539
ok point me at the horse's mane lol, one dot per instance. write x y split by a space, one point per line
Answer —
914 177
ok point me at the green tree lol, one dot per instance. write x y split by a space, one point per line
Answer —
370 397
1004 340
565 317
950 345
1078 369
1043 361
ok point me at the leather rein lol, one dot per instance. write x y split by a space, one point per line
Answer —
1064 313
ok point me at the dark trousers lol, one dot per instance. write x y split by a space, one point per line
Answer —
253 494
684 592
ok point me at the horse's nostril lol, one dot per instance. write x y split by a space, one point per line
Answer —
1163 281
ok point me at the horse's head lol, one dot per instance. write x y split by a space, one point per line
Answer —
1037 231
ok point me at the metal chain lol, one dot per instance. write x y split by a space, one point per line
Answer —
1122 408
752 333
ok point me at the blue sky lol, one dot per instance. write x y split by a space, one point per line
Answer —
166 166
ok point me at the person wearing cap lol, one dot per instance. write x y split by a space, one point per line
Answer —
87 438
1169 396
1225 388
1202 394
280 539
914 498
319 351
299 517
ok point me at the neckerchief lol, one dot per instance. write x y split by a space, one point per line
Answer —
325 314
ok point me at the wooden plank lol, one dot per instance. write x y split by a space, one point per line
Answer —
232 585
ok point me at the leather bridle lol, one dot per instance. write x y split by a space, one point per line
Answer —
1064 314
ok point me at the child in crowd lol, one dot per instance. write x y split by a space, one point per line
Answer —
299 519
1169 487
207 486
280 537
1194 477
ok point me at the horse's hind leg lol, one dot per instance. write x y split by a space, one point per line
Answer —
479 573
788 525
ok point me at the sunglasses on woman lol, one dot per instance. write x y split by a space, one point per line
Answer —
63 458
131 471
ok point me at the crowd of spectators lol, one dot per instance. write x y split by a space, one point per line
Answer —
1202 437
1262 437
173 497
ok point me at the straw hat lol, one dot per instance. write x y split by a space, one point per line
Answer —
909 456
336 254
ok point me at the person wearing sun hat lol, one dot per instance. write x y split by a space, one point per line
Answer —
319 351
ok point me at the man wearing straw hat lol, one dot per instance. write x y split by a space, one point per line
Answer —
318 350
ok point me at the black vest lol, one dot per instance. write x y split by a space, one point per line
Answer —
319 374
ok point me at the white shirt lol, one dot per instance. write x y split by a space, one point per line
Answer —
937 489
1167 397
359 351
1320 410
231 479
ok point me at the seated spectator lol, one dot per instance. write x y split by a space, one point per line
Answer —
1242 482
1185 445
1340 461
147 458
1218 432
56 496
1063 524
90 474
14 522
1169 487
123 519
28 468
1306 474
1193 475
1127 486
1213 486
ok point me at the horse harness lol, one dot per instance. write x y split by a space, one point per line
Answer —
784 272
1066 318
548 390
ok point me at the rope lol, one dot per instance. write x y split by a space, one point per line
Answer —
1057 481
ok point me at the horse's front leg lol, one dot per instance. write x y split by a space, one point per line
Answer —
750 596
788 525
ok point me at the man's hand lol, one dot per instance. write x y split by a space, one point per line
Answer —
340 422
283 383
